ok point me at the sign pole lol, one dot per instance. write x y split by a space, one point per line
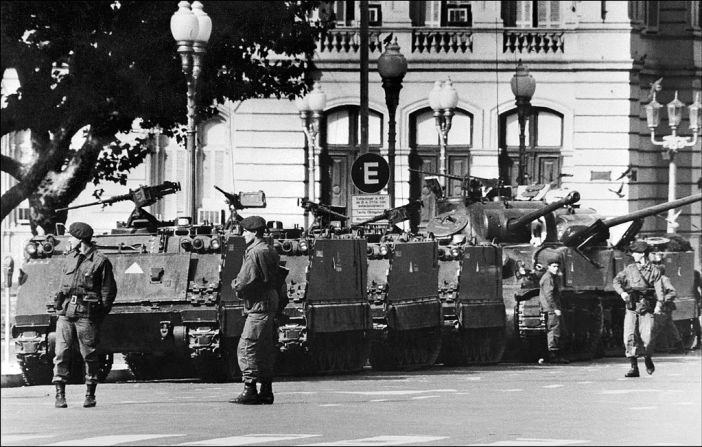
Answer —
8 267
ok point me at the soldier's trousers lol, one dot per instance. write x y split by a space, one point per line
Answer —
86 332
555 327
639 334
256 350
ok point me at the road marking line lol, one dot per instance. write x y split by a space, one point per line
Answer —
643 390
425 397
642 408
112 440
585 382
511 390
330 405
250 439
395 393
552 386
384 440
379 400
538 441
19 438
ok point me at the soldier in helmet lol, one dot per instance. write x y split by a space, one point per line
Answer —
641 287
257 284
550 297
85 297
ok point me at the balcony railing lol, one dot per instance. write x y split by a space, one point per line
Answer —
348 41
528 41
432 40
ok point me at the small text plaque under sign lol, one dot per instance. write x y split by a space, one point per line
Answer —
368 205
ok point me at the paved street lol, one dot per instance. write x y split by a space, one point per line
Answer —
588 403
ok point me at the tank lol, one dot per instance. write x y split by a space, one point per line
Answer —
326 326
486 234
35 319
590 263
402 275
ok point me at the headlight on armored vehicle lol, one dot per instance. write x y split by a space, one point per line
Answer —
303 246
214 244
186 243
31 249
199 243
48 248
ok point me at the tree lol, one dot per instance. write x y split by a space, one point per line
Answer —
96 66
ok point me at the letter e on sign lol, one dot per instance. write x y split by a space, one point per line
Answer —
370 173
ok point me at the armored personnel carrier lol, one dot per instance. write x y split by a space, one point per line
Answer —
326 326
402 276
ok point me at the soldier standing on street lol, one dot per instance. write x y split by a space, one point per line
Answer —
665 326
550 297
641 287
85 297
258 285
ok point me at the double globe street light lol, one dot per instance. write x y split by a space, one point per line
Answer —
673 142
443 100
191 28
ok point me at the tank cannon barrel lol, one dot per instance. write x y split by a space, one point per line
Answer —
581 237
142 196
570 199
488 182
393 215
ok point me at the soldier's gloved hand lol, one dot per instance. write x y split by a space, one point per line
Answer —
659 308
625 297
557 312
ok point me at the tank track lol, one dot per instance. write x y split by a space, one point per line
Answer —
584 322
405 350
146 366
36 369
475 346
326 353
224 367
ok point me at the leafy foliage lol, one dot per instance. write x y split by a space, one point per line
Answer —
100 65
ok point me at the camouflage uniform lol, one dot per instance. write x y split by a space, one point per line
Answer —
550 298
645 286
256 285
87 292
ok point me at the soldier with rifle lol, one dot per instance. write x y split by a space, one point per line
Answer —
641 287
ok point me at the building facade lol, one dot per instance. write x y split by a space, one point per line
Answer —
593 63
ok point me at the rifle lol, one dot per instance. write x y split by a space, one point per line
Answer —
142 196
393 215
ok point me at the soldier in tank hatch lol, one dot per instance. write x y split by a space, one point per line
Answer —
550 298
641 287
85 297
257 284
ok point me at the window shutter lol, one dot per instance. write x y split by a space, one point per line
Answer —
524 11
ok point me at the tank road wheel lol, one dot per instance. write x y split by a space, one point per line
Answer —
36 370
584 327
406 349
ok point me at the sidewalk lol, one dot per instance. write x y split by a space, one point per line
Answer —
12 375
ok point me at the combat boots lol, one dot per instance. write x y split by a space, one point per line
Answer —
634 370
650 367
90 396
249 396
266 394
60 395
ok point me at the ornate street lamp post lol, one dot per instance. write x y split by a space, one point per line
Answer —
672 143
523 87
392 67
311 108
443 100
191 28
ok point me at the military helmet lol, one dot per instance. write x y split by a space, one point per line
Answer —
639 246
81 230
253 223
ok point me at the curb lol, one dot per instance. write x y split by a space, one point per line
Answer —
13 379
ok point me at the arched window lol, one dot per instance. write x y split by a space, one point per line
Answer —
425 153
543 143
340 139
